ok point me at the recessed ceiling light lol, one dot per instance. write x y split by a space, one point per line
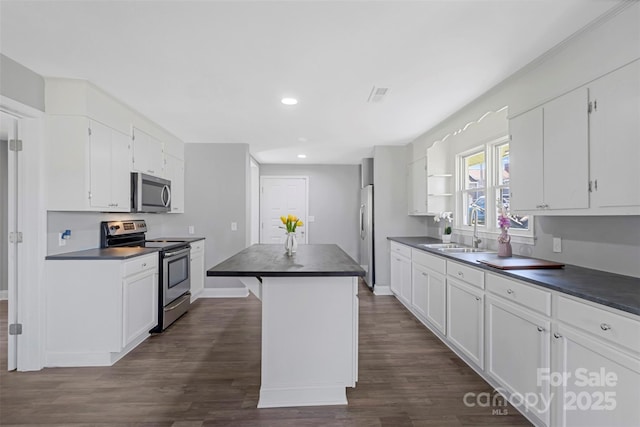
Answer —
302 156
289 101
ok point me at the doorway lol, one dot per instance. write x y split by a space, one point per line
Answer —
281 196
8 224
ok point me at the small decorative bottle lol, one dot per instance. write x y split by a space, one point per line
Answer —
504 244
290 243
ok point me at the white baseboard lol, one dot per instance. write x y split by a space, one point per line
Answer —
4 295
381 290
224 293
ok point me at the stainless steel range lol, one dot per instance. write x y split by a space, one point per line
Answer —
174 279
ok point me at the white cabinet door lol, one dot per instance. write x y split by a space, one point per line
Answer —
100 165
120 171
437 301
566 151
401 277
174 171
140 305
417 196
197 269
526 170
517 351
615 138
612 402
465 320
147 153
420 286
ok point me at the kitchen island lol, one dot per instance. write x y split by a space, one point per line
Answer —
309 321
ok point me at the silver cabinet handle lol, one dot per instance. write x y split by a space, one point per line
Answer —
605 327
540 329
509 291
557 335
424 274
460 273
144 264
478 298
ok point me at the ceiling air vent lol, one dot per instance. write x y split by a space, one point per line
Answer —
377 94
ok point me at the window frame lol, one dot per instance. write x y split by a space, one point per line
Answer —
489 229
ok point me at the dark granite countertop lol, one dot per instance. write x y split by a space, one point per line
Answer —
103 254
176 239
612 290
271 261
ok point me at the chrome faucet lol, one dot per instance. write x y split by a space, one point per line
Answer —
476 240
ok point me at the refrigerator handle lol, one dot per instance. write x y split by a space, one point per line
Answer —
362 231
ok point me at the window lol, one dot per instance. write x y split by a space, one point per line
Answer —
483 187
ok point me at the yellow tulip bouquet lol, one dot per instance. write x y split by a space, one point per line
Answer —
290 223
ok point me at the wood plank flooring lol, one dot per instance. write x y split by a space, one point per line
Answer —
205 371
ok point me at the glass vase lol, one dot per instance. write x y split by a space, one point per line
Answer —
290 244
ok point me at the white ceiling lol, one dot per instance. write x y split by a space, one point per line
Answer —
214 71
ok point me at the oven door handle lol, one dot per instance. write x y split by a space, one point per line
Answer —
176 253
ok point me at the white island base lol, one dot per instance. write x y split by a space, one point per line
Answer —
309 339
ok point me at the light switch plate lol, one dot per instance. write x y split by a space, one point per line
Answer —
192 229
61 240
234 226
557 244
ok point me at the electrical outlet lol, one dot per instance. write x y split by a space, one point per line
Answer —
234 226
61 240
557 244
311 218
192 229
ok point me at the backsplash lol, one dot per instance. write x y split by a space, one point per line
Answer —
609 243
85 228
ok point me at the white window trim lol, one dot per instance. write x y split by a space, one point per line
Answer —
489 230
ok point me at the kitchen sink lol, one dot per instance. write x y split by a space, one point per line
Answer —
441 246
461 250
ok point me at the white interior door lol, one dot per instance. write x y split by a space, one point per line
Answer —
10 218
281 196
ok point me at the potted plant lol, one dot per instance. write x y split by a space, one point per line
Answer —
447 219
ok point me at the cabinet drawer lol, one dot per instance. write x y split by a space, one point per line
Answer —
141 263
521 293
469 275
616 328
197 246
432 262
403 250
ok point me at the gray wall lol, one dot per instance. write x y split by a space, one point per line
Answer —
217 179
4 205
21 84
390 206
334 200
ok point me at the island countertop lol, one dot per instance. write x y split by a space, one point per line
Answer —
270 260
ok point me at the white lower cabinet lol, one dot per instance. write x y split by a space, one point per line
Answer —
518 351
429 296
140 313
400 280
197 269
596 351
465 320
99 310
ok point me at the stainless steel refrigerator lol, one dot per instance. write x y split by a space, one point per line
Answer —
366 233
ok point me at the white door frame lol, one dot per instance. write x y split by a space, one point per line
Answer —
306 202
32 222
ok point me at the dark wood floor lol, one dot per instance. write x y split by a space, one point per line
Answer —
205 371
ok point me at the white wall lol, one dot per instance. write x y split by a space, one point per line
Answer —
603 243
390 206
217 179
334 200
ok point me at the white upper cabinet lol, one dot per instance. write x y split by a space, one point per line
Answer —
417 187
549 155
147 153
87 166
90 152
578 154
615 138
174 172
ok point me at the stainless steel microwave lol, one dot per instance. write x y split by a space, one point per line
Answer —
149 193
